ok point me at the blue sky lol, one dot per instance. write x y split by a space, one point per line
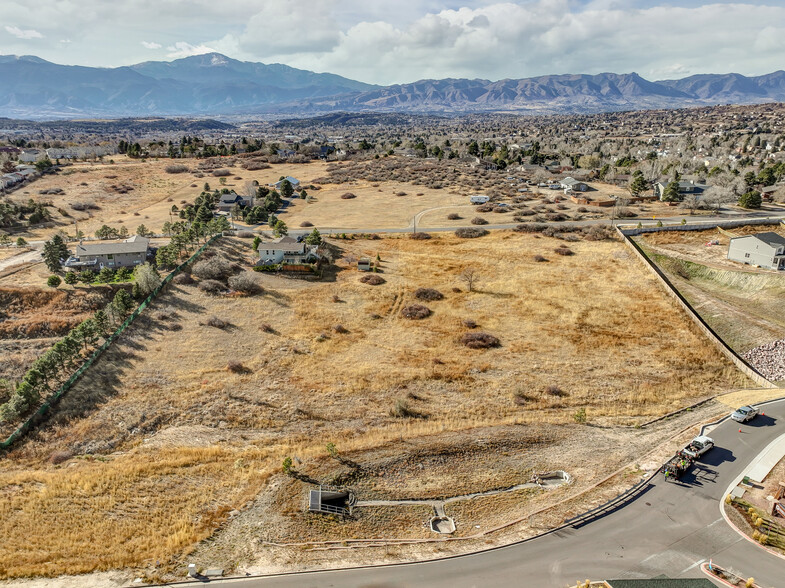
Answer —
406 40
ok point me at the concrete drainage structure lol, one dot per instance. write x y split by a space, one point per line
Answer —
442 524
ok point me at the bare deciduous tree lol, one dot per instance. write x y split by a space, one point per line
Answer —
470 277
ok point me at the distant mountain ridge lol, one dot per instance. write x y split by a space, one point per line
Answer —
213 84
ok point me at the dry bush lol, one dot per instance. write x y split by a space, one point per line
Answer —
469 324
598 233
183 279
340 329
176 168
336 299
245 234
402 410
306 224
213 287
558 217
415 312
478 220
237 368
267 328
348 196
420 236
246 282
400 193
555 391
222 173
564 250
372 279
428 294
487 207
480 340
215 268
470 233
540 258
214 321
59 456
454 216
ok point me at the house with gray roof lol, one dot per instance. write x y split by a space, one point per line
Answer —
227 201
685 187
293 181
96 256
570 183
766 250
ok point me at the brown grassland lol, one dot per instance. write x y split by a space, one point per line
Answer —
158 443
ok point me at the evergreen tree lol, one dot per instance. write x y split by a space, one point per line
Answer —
671 193
54 250
203 215
71 278
314 238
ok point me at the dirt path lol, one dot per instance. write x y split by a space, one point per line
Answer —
25 257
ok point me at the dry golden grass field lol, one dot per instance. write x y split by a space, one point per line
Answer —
159 443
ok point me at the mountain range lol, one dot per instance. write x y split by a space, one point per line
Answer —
216 85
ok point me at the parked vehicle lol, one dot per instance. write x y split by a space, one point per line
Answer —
676 466
698 446
744 414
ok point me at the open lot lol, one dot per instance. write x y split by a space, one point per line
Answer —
160 439
741 303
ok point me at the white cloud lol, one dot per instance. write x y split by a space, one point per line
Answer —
182 49
292 26
24 34
151 45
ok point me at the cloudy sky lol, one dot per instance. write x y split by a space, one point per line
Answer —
406 40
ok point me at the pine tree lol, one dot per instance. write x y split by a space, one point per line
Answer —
54 251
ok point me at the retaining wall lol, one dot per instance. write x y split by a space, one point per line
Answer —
740 363
697 226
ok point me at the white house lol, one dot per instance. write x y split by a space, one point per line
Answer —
766 250
569 183
285 250
478 199
293 181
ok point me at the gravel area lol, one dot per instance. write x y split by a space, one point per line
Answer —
769 359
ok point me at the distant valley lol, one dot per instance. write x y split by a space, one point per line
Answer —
216 85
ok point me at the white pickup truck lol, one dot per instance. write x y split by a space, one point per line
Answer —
698 446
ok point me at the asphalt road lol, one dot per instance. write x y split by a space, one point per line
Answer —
669 528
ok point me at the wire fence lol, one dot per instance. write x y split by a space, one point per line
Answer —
39 414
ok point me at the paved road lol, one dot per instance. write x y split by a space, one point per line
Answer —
670 528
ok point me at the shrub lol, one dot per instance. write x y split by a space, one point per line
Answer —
487 207
428 294
267 328
453 216
478 220
212 287
539 258
564 250
246 282
245 234
183 279
53 281
415 312
176 168
402 410
214 321
340 329
222 173
60 456
215 268
400 193
306 224
555 391
480 341
597 233
470 233
469 324
751 199
580 416
372 279
348 196
419 236
237 368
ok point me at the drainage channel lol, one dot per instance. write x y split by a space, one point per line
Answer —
441 523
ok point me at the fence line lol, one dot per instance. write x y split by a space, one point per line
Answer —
38 415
